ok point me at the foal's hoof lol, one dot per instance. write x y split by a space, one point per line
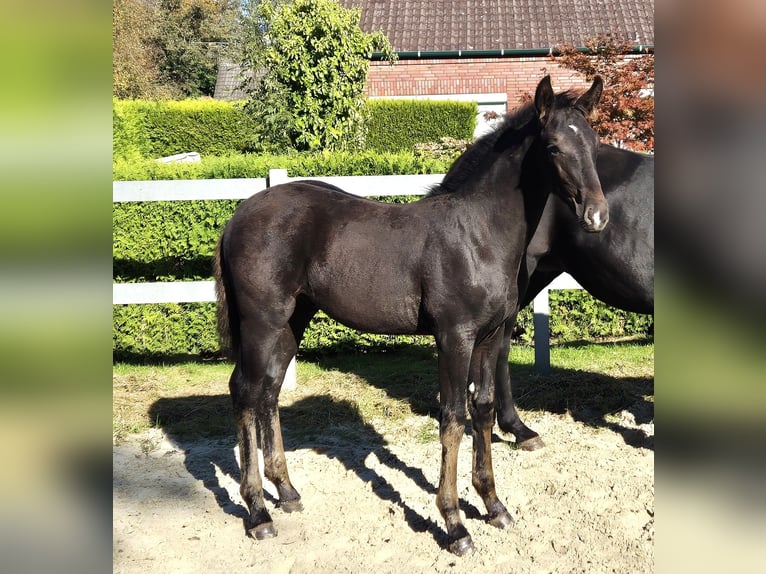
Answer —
530 444
502 520
462 546
263 531
291 505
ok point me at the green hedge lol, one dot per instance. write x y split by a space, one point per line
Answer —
153 129
297 165
167 240
396 125
174 241
575 315
160 331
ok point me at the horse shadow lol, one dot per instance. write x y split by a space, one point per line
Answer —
595 399
333 428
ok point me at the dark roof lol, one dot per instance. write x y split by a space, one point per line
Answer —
448 25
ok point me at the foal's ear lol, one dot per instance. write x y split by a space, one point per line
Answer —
589 100
544 99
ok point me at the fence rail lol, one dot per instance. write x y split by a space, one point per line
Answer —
363 186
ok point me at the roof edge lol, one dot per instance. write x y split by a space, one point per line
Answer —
502 53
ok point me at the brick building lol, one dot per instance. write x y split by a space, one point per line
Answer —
490 51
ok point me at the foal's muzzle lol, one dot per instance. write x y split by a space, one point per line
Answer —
595 216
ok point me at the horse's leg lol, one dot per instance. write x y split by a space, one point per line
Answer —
481 405
274 462
454 360
259 524
252 387
507 418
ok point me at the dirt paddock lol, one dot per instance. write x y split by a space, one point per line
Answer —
585 503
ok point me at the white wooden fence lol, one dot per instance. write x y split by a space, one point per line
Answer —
364 186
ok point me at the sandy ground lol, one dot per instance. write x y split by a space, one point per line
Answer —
585 503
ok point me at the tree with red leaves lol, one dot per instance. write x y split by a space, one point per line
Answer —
625 115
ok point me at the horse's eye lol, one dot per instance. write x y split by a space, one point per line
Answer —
554 150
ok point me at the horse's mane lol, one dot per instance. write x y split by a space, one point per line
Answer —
470 160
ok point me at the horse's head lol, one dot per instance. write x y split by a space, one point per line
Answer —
570 144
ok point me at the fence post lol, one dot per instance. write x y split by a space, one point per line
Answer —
290 381
541 307
277 176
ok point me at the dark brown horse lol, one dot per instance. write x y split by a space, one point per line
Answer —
447 265
616 266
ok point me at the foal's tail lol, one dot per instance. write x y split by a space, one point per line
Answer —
226 312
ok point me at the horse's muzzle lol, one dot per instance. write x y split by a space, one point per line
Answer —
595 217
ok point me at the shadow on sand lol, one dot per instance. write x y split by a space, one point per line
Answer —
335 428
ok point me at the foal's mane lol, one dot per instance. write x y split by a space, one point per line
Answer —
472 158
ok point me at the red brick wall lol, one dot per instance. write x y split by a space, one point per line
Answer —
514 76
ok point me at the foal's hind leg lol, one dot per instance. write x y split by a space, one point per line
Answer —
259 524
275 465
265 352
481 403
507 418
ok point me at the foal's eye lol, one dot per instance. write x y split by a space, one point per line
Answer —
554 150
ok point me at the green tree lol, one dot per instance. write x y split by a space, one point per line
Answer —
311 61
192 35
134 54
624 113
170 48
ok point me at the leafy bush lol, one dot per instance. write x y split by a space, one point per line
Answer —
174 241
167 240
315 59
575 315
396 125
297 165
153 129
165 127
162 330
128 132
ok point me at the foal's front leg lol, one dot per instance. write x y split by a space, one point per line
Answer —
453 374
481 400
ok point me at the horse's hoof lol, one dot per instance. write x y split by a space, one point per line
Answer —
502 520
291 505
530 444
462 546
263 531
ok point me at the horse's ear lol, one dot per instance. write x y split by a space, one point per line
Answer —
589 100
544 99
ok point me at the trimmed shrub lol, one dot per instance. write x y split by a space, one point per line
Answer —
153 129
396 125
575 315
164 127
174 241
297 165
167 240
163 330
128 133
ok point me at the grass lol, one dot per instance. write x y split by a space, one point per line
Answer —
390 394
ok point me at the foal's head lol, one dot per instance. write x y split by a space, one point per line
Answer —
571 144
